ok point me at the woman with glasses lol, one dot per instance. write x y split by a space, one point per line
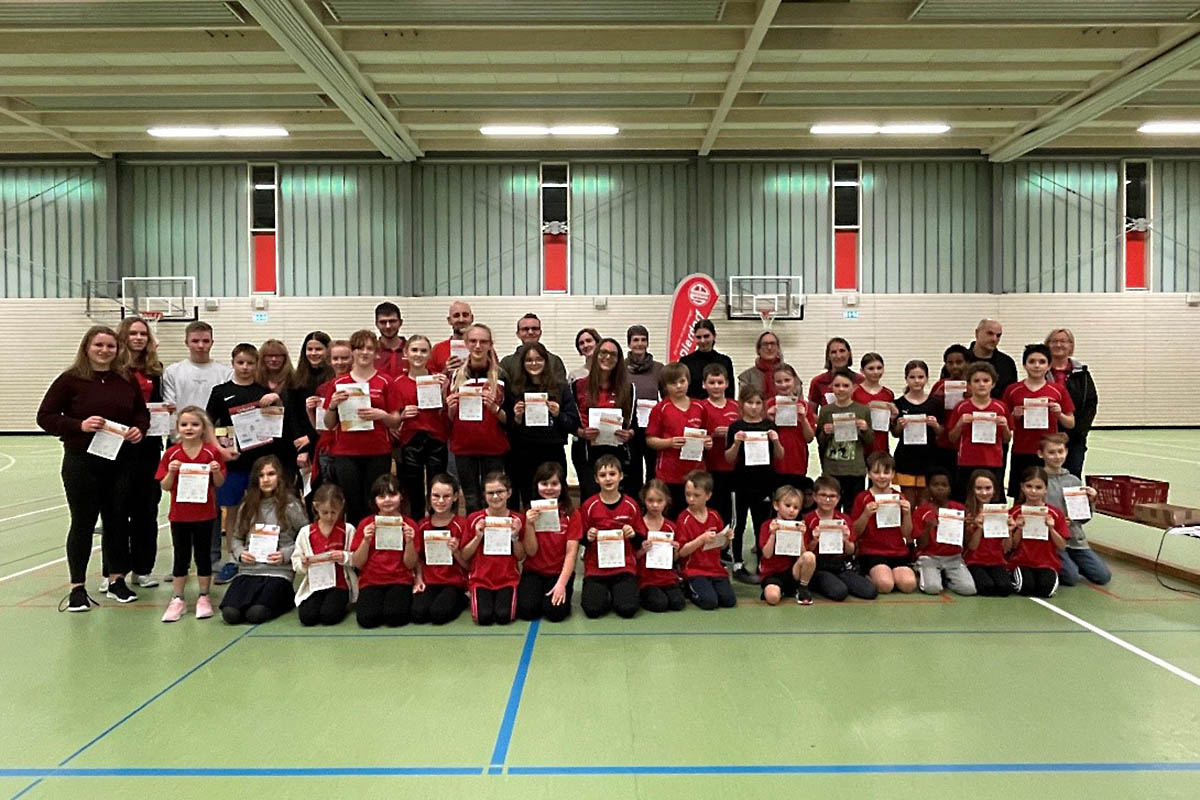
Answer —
606 386
762 375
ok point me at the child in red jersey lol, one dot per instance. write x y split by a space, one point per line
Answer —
982 446
702 535
939 526
492 582
321 556
191 520
659 587
380 543
478 418
785 575
1027 432
424 429
795 438
439 595
613 526
1040 534
985 552
879 399
948 394
883 548
664 431
341 358
551 550
836 577
719 412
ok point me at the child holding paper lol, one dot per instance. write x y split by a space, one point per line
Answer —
701 533
750 445
988 536
797 427
917 426
785 574
605 400
843 434
551 549
827 532
543 415
322 553
673 415
879 399
198 465
979 426
1041 532
883 525
1039 408
719 412
381 544
341 357
1068 494
493 551
262 588
613 526
424 426
439 594
940 527
949 391
658 585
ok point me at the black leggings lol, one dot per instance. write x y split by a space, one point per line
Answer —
389 605
663 598
533 598
1035 581
144 496
493 606
354 475
192 540
837 586
756 500
420 459
326 607
712 593
265 599
438 604
992 581
96 487
617 593
471 472
722 497
851 486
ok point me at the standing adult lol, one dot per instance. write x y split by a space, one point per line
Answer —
646 376
837 356
389 357
312 370
275 371
533 445
605 387
93 392
985 348
1066 370
529 330
478 439
769 355
447 355
705 334
585 345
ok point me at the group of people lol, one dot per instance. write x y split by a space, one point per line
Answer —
410 480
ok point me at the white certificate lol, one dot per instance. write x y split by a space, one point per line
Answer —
995 521
845 427
429 392
247 426
789 537
881 416
360 397
319 417
162 419
950 526
693 445
608 422
547 519
191 484
983 427
888 513
107 441
916 431
1037 413
644 407
1078 506
787 411
497 536
1035 523
264 540
610 549
830 537
459 349
757 448
829 398
661 554
437 548
272 422
537 410
955 392
322 576
470 403
720 540
389 533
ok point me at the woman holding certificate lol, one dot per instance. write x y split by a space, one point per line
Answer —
837 357
605 399
95 409
477 416
424 426
312 370
541 416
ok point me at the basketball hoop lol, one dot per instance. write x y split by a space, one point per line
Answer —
767 308
151 316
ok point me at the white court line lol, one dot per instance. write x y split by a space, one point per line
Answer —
55 561
1192 462
1189 448
32 500
12 462
1137 651
31 513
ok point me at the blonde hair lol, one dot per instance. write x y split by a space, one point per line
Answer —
493 370
150 364
199 413
81 367
283 377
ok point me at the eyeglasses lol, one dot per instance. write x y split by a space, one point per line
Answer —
496 492
606 354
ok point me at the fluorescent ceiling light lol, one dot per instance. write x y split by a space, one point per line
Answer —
584 130
267 186
843 129
252 132
184 132
915 128
557 130
1170 127
514 130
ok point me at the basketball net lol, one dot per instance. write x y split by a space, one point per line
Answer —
767 312
152 319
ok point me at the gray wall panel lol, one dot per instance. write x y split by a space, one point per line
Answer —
1175 238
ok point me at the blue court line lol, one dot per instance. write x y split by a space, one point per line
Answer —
504 736
893 632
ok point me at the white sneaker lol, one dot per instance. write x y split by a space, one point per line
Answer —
103 585
145 581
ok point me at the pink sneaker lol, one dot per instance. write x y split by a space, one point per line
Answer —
175 610
203 607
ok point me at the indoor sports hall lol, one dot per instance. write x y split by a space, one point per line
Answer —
805 262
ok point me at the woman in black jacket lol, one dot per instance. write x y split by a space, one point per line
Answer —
1067 370
534 445
311 371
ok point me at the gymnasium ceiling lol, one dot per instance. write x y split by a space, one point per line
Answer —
407 78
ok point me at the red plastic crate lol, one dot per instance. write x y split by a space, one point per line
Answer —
1118 494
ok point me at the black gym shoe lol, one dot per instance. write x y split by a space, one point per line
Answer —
77 600
119 591
804 596
741 575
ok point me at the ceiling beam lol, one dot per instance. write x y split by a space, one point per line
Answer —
15 112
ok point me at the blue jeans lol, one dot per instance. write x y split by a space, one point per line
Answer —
1082 561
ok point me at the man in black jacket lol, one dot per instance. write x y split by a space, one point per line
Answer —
984 348
705 334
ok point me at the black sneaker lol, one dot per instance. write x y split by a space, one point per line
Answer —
804 596
119 591
741 575
77 600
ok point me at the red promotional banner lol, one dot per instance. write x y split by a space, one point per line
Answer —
694 300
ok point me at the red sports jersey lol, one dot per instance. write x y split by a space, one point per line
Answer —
885 395
492 572
433 421
666 422
922 516
552 548
827 562
439 354
144 383
437 574
595 513
791 438
377 441
876 541
701 563
325 438
656 577
483 438
775 564
943 438
392 363
711 419
190 512
1035 553
383 567
971 454
1026 441
336 540
604 399
989 553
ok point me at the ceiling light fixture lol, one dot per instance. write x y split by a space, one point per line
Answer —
244 132
542 130
182 133
584 130
914 128
252 132
514 130
1170 127
843 129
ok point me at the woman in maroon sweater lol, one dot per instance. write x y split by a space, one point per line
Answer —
95 391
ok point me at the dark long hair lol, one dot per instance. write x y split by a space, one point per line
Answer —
546 382
247 512
618 379
305 375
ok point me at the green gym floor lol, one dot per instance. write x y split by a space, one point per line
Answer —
1093 694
